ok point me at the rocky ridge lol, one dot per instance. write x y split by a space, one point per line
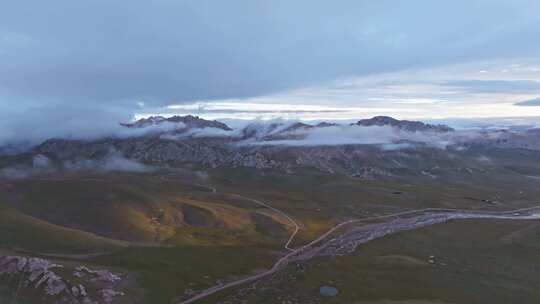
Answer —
253 146
43 275
188 122
217 151
407 125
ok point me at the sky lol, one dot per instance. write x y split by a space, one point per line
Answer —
79 67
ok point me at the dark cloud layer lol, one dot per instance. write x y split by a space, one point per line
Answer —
184 50
101 58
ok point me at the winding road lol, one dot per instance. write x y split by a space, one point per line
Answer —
349 240
290 219
258 202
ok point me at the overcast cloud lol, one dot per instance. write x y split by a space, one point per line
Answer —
70 65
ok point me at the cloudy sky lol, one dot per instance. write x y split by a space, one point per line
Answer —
77 66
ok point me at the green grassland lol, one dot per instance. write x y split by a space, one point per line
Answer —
321 200
166 273
203 237
175 235
487 261
21 231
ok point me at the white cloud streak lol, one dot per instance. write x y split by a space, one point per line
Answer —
42 165
386 137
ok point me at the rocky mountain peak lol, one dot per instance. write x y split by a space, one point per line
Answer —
190 122
325 124
407 125
297 126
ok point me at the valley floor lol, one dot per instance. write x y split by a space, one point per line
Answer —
178 234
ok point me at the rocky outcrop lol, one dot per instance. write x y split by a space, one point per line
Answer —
370 173
41 274
406 125
224 152
528 139
189 122
96 275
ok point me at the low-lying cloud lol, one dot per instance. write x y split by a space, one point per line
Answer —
113 162
275 132
41 165
386 137
200 133
41 124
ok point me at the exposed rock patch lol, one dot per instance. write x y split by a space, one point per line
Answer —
43 275
407 125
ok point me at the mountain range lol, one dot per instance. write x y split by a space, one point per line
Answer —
380 146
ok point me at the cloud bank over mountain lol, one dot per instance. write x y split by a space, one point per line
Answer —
81 67
103 52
